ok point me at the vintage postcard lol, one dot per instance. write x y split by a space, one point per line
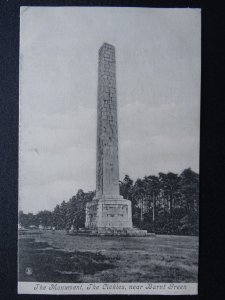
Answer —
109 118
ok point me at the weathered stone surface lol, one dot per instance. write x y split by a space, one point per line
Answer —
108 213
107 165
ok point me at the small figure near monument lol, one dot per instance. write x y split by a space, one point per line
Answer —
108 212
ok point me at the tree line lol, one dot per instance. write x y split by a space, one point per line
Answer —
166 204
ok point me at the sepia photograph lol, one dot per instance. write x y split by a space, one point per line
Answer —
109 131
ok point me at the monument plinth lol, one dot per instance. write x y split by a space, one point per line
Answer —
108 211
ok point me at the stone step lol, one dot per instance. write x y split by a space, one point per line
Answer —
132 232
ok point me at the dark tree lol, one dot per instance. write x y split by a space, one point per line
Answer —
168 204
126 187
152 189
44 218
189 186
170 186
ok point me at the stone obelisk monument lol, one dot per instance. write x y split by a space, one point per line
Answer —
107 164
108 212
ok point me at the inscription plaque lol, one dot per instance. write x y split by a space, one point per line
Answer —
115 210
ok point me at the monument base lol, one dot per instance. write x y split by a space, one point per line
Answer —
108 212
129 232
120 232
110 215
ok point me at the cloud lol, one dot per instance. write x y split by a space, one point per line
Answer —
158 89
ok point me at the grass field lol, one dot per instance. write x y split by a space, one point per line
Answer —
57 257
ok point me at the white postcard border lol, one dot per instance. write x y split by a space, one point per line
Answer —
50 288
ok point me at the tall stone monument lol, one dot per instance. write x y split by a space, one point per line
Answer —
108 212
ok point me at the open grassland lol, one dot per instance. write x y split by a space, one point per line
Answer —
57 257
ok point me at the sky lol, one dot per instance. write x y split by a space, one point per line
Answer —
158 61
